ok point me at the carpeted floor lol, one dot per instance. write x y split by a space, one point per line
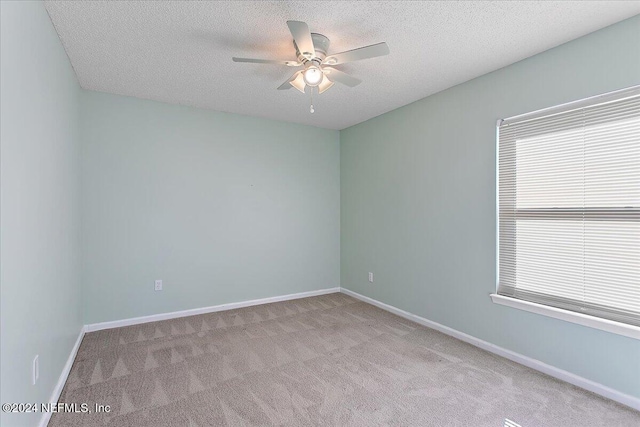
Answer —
329 360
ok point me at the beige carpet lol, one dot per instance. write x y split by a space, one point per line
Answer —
328 360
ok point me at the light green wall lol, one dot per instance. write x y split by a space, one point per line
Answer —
418 191
221 207
39 198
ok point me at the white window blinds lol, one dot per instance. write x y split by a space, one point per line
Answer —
569 207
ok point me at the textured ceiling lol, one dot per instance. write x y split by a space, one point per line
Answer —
180 52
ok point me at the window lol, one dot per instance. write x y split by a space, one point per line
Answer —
569 207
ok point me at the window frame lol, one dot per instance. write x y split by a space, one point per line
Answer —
588 320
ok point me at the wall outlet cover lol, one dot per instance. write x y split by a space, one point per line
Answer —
158 285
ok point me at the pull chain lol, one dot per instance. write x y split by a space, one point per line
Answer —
311 110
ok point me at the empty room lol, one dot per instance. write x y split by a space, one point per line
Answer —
320 213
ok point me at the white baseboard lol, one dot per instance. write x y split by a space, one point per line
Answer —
195 311
560 374
55 396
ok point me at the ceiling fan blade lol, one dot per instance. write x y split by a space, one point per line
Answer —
267 61
324 84
296 80
302 37
366 52
340 77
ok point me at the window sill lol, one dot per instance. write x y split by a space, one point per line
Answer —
570 316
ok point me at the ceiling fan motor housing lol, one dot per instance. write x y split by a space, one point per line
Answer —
321 46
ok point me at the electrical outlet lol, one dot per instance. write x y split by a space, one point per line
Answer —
371 277
158 285
36 370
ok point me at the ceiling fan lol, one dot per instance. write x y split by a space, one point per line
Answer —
312 53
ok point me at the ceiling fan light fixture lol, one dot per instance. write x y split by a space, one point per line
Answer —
313 76
325 84
298 82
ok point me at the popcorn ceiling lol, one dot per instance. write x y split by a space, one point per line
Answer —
180 52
